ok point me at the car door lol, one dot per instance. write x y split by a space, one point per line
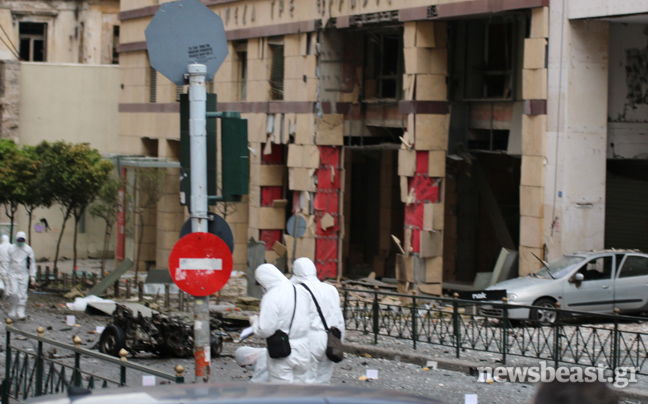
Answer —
631 284
596 292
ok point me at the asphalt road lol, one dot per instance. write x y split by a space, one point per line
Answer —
50 312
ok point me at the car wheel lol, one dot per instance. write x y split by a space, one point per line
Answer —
112 340
543 314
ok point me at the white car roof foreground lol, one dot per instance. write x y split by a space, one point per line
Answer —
238 393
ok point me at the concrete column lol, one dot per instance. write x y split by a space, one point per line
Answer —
577 134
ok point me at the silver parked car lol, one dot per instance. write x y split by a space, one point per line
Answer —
595 282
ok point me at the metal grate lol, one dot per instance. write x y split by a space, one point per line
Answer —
360 20
152 84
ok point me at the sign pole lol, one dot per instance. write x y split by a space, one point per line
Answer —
198 208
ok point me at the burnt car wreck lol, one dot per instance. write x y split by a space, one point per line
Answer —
160 334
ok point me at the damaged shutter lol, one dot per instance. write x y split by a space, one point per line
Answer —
277 68
626 213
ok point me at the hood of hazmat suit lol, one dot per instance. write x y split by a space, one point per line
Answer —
277 307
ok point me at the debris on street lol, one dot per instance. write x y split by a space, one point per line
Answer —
160 334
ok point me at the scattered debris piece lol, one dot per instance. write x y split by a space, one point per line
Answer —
165 336
247 303
75 292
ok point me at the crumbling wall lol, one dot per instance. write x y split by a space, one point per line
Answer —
9 99
534 127
422 158
77 32
575 172
628 92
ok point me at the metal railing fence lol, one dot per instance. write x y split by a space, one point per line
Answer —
462 325
32 373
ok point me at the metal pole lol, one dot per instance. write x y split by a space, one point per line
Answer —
414 328
198 207
6 383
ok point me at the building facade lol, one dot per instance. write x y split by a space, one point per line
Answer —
595 186
425 121
59 80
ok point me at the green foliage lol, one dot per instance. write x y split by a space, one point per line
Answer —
12 179
72 174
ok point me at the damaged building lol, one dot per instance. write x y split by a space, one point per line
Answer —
59 80
446 132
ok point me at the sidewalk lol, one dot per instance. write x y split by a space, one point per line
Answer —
634 393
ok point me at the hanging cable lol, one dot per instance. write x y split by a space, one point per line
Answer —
10 50
15 51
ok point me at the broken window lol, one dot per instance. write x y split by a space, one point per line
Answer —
115 43
33 43
277 69
241 73
486 58
383 66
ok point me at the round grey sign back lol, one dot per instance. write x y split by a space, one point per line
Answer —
182 33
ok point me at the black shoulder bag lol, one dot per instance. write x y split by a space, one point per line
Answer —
334 346
278 343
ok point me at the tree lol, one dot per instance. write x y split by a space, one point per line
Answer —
105 207
12 179
148 189
35 196
73 174
8 153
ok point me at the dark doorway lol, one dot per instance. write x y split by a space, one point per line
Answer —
373 211
478 196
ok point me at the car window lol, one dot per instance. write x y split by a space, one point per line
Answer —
560 267
634 266
597 269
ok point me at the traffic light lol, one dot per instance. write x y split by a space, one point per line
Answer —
234 146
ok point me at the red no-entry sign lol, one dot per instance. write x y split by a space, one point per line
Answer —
200 264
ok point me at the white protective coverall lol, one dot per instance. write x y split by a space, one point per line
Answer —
277 307
321 367
253 359
20 268
4 259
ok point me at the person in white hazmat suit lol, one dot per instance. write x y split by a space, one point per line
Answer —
254 359
20 269
4 259
276 313
321 367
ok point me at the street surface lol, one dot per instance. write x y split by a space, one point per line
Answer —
49 311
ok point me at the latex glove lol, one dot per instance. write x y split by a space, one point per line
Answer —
248 332
254 319
32 281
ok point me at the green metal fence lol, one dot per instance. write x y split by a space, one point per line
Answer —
35 372
485 326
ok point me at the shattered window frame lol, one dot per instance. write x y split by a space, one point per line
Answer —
383 50
30 33
486 58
